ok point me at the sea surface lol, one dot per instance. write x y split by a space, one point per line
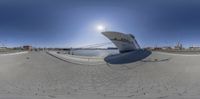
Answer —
98 53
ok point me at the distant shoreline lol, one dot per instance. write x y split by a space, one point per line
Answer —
180 51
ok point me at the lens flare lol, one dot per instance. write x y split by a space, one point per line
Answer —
101 28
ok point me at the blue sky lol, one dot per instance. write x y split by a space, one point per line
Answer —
72 23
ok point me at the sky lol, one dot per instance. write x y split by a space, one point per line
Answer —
72 23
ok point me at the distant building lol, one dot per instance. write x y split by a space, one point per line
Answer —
27 47
157 49
167 48
3 48
112 48
149 48
179 46
194 48
17 48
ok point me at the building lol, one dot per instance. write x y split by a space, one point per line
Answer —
112 48
149 48
194 48
158 49
3 48
167 48
179 46
27 47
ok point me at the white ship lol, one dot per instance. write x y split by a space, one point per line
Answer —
124 42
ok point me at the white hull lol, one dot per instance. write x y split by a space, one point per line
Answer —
124 42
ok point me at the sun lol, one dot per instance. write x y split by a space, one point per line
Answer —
101 28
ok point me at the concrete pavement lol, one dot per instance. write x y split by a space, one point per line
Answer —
39 75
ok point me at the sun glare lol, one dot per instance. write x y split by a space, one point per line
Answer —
101 28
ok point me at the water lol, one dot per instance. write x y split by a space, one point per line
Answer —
98 53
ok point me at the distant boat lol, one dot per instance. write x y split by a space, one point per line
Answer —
124 42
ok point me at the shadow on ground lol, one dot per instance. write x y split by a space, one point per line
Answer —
128 57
